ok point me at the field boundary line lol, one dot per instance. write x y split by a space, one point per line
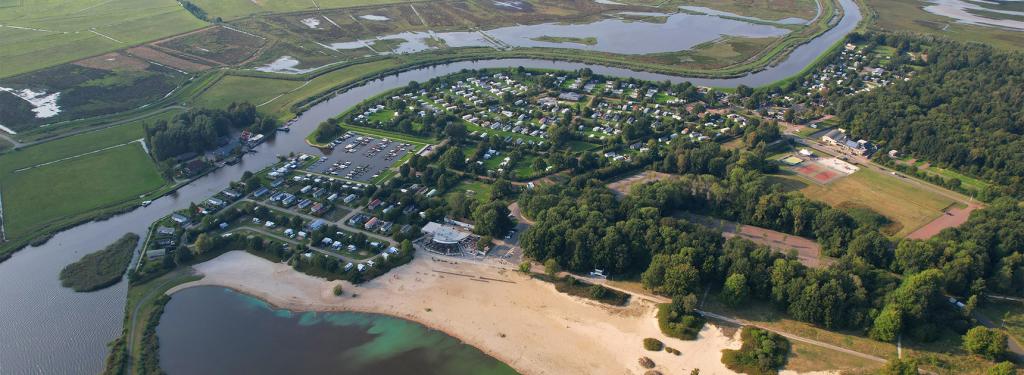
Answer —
105 36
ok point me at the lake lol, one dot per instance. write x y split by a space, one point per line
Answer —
213 330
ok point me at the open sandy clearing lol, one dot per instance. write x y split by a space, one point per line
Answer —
523 322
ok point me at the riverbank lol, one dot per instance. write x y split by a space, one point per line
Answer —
523 322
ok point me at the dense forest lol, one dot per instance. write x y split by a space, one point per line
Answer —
964 109
200 130
878 285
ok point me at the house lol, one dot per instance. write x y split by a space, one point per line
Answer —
180 219
260 192
155 254
570 96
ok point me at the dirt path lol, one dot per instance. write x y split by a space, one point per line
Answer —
808 251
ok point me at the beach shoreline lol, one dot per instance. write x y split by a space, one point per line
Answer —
520 321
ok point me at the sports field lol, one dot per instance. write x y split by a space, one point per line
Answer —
906 205
42 33
44 195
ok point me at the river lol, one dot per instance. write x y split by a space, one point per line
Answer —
213 330
47 329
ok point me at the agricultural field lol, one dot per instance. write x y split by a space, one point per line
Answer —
97 86
906 206
90 163
258 91
234 9
42 33
43 195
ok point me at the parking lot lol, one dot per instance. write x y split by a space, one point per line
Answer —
361 158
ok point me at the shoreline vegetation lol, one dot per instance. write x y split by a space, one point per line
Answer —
102 268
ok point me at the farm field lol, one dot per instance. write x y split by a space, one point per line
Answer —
35 198
233 9
44 33
239 88
909 208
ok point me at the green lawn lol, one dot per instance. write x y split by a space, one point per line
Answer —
474 189
45 195
64 31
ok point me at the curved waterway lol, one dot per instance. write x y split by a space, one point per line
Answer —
213 330
47 329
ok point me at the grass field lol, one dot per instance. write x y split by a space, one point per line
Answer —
897 200
233 9
909 16
237 88
43 33
478 190
75 145
36 197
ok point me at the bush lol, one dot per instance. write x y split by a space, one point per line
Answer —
674 351
653 344
338 290
646 362
679 325
762 352
524 267
985 342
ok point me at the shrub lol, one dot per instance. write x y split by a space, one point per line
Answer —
985 342
646 362
762 352
677 324
524 267
653 344
674 351
338 290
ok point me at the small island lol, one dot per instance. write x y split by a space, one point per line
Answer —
587 41
102 268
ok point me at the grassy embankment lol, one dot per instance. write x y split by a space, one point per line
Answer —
100 269
57 184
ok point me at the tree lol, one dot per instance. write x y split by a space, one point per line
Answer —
204 243
887 325
491 219
897 366
988 343
551 267
735 290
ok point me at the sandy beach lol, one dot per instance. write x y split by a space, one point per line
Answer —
523 322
